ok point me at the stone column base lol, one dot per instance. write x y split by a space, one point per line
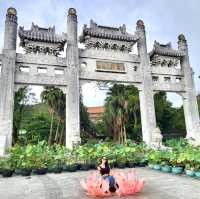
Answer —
73 142
156 140
2 145
195 140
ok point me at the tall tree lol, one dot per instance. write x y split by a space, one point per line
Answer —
20 100
121 101
49 96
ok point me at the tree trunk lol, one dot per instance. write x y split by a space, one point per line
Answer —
57 130
51 129
61 135
124 130
135 118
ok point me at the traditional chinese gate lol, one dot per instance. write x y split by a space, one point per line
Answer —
107 57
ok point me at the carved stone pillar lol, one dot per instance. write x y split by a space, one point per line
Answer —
7 80
147 108
189 97
72 94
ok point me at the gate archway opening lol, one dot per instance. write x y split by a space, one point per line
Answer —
39 115
118 116
170 114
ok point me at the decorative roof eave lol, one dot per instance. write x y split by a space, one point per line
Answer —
106 32
165 50
168 52
40 36
89 33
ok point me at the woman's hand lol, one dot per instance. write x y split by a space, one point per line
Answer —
111 173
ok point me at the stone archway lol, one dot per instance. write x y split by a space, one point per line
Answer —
106 57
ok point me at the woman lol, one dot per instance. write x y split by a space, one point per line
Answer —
104 170
127 184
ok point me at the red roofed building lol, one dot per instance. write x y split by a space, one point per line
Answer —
95 113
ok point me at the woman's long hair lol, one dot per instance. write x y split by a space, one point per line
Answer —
106 163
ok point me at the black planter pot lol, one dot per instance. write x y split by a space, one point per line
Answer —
92 166
85 167
143 164
26 172
1 171
69 168
7 173
18 171
34 171
50 169
41 171
113 165
137 164
121 165
130 164
57 169
78 166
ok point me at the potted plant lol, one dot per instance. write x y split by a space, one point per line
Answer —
82 154
17 154
56 158
26 168
197 172
190 169
70 164
7 167
58 164
177 164
1 165
131 161
165 162
40 165
121 156
154 159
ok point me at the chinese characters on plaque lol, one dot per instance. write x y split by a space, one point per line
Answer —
110 67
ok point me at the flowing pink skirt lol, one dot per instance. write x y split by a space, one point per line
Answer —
128 183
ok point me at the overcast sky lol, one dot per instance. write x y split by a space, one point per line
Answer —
164 21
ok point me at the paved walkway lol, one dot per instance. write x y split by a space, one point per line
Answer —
66 186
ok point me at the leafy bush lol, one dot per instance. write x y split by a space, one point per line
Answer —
43 156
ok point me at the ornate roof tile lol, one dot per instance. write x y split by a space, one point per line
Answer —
41 40
165 50
106 32
37 33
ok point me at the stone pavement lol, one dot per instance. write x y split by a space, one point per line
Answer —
66 186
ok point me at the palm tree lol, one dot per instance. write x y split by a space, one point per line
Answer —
48 96
122 102
60 113
116 108
20 101
55 99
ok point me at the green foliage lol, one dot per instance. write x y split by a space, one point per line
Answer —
6 164
21 98
122 113
34 130
46 120
57 156
55 99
